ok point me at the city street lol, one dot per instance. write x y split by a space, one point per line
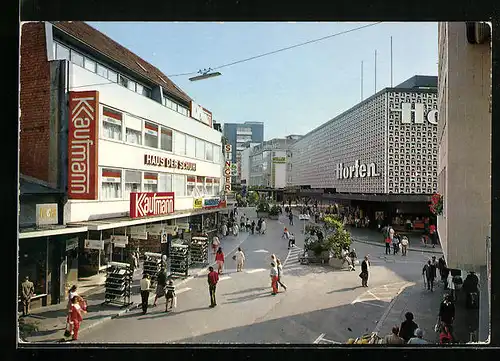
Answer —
319 304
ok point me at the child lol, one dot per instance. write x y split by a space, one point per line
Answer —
170 295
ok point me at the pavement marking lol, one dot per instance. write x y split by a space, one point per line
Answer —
224 278
371 304
294 251
255 270
319 338
389 308
378 299
182 290
261 251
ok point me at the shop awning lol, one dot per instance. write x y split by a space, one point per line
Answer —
50 231
110 223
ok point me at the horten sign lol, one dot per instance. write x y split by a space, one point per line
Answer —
151 204
416 112
358 170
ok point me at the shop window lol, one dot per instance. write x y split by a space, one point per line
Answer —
191 186
200 186
179 183
180 144
112 124
209 152
90 65
132 182
111 184
150 135
165 182
166 139
76 58
62 52
200 149
150 182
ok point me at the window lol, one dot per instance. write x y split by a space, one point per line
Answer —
132 182
102 71
209 151
166 139
90 64
139 88
170 104
133 130
180 143
216 154
200 149
179 185
76 58
182 110
190 146
191 186
146 92
131 85
112 124
112 76
111 184
150 135
165 182
150 182
62 52
123 81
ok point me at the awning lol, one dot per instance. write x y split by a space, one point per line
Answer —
99 225
24 234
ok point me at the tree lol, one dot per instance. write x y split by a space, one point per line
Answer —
330 237
253 198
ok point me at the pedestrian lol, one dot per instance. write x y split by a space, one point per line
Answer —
279 267
242 222
27 293
170 296
291 240
365 265
290 217
274 278
446 312
145 286
387 245
161 280
286 234
248 225
443 272
433 234
408 327
219 258
418 339
429 274
224 230
253 226
239 257
393 338
75 317
395 244
404 245
235 211
236 230
213 278
435 266
445 335
71 293
353 257
263 227
215 244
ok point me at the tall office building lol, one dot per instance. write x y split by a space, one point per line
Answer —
237 134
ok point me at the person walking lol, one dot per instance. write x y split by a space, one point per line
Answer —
443 272
27 293
445 335
446 314
248 225
279 267
239 257
290 217
274 278
291 240
75 317
145 286
286 234
242 222
170 296
263 227
387 245
365 265
430 275
433 235
395 243
404 245
215 244
224 230
213 278
236 229
393 338
353 257
408 327
253 226
161 284
259 224
418 339
219 258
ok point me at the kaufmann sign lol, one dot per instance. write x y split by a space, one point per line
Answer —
415 112
358 170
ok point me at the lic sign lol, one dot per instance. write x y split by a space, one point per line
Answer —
415 112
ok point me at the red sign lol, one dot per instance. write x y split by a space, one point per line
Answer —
82 144
151 204
222 204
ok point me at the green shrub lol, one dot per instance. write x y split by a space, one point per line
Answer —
263 206
253 198
274 210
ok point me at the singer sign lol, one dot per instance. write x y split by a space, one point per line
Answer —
151 204
82 144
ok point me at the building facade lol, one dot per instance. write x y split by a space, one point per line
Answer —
238 134
382 152
133 154
464 136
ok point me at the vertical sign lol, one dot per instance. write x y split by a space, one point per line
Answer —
82 144
227 168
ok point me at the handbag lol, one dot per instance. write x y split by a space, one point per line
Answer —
234 258
174 302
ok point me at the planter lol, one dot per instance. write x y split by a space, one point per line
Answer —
262 214
275 217
336 263
322 257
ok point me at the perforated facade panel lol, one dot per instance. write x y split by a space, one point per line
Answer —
368 149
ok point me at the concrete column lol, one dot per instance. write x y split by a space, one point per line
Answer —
484 305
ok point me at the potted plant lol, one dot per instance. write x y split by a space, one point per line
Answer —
274 212
262 209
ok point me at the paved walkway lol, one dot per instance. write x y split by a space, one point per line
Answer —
51 320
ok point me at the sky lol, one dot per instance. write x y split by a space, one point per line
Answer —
293 91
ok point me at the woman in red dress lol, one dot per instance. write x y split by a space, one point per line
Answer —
75 316
219 258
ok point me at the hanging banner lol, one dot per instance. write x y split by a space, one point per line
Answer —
94 244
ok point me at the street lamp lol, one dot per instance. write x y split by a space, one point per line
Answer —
205 74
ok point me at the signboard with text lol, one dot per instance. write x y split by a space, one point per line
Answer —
211 202
279 160
150 204
71 244
159 161
46 214
82 144
94 244
198 203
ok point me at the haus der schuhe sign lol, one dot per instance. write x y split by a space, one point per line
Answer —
160 161
149 204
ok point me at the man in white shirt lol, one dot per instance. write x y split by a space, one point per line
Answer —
239 257
418 339
404 245
145 285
